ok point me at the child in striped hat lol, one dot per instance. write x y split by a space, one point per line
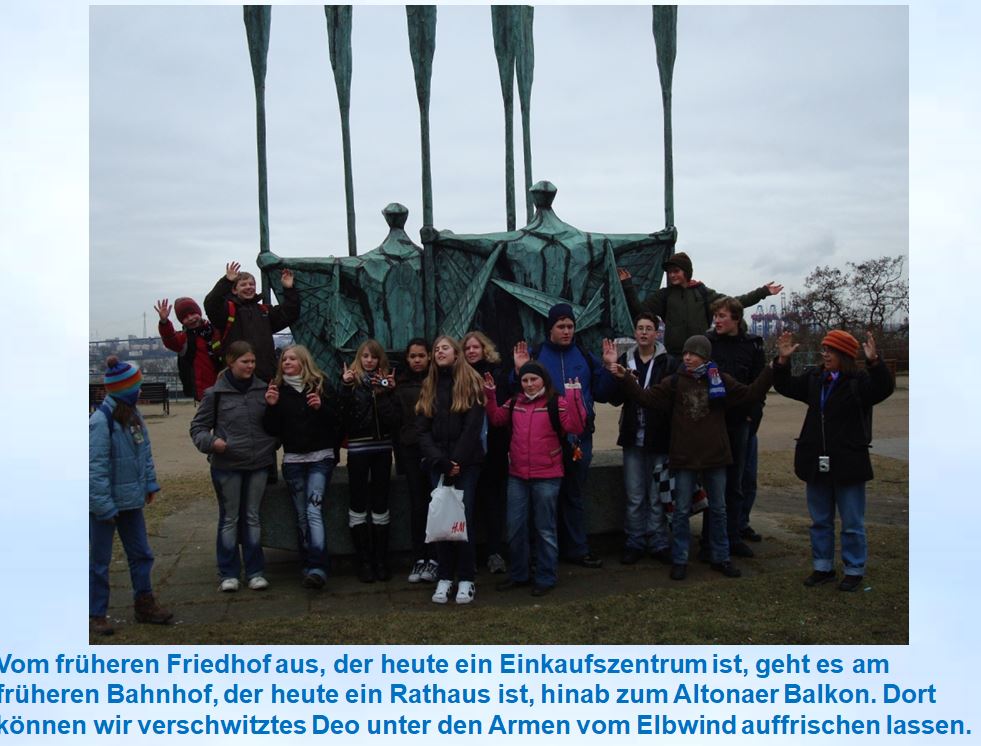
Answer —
122 479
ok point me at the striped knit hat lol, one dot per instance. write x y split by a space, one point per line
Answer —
122 380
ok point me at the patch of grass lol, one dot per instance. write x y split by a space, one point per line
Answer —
776 472
177 492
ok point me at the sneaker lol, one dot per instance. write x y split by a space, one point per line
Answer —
740 549
431 571
588 560
750 535
631 556
541 590
819 577
99 625
850 583
495 564
510 584
442 591
314 580
465 592
726 568
228 585
662 555
258 583
415 574
679 571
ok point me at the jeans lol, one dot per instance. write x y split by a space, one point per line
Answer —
822 498
645 522
307 484
239 493
132 534
738 435
540 496
459 558
572 503
714 483
749 480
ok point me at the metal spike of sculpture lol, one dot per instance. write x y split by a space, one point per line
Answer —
502 283
339 42
257 21
665 27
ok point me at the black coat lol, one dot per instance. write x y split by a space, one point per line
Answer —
742 357
367 413
450 436
843 431
300 428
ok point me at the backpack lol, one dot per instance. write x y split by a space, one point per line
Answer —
232 307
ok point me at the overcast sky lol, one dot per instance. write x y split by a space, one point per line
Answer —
790 136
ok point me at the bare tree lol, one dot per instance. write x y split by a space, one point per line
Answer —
878 291
824 304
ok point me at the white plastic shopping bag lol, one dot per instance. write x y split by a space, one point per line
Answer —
447 519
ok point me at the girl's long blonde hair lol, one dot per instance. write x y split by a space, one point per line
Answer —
377 351
468 387
312 377
491 355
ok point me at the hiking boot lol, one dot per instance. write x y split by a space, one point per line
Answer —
750 535
431 571
314 580
662 555
415 574
819 577
99 625
228 585
465 592
588 560
258 583
726 568
630 556
510 584
541 590
495 564
850 583
441 595
739 549
679 571
148 611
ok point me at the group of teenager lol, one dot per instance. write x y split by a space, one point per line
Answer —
516 441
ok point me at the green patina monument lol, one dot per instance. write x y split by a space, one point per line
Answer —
501 283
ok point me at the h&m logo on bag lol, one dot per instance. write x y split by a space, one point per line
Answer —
459 527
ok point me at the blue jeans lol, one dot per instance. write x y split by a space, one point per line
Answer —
749 479
459 558
572 503
540 496
738 435
239 496
822 497
645 521
714 483
132 534
307 483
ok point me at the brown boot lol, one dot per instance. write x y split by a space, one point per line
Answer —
149 612
99 625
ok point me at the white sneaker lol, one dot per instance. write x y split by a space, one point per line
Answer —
465 592
415 574
429 574
495 564
228 585
258 583
442 591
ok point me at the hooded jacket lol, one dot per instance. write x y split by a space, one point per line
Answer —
657 424
121 471
238 421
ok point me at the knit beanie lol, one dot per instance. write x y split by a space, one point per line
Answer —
699 345
842 342
536 369
559 311
679 260
184 307
122 380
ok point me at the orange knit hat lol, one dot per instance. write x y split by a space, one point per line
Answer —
842 342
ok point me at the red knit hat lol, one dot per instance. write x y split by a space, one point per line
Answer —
184 307
842 342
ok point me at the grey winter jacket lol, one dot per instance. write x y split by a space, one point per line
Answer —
238 423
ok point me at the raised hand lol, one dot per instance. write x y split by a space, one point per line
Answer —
786 347
616 369
573 383
348 375
286 277
609 352
623 274
871 352
773 287
489 383
313 400
272 395
520 354
231 271
163 308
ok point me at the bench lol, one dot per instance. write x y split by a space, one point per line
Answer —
150 393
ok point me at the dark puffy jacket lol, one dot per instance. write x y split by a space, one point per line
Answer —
742 357
407 390
367 413
657 426
253 323
300 428
450 436
843 432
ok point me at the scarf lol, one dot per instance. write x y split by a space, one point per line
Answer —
716 386
295 381
241 384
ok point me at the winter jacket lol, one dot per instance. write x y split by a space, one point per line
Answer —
195 363
563 363
685 310
121 472
238 422
301 428
742 357
657 424
253 323
699 439
450 436
408 386
536 452
844 431
368 414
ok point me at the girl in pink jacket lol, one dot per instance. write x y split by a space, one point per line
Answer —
540 419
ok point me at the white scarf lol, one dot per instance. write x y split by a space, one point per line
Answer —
295 381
